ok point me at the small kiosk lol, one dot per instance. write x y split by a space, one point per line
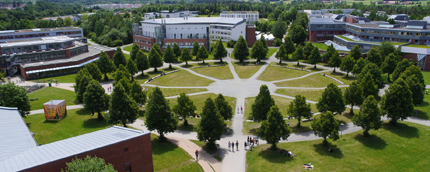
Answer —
55 109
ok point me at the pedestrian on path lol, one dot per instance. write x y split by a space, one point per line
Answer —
232 146
229 144
238 110
247 139
197 155
241 109
237 145
245 145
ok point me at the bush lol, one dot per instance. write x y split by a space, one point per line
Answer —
278 42
90 35
230 44
117 42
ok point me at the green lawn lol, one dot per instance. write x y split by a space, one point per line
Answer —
141 79
61 79
426 76
320 46
246 71
209 16
50 93
423 110
278 73
315 80
128 48
346 80
181 78
313 95
167 92
271 52
220 72
417 46
345 38
392 148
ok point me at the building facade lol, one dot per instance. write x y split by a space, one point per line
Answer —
17 35
250 16
167 14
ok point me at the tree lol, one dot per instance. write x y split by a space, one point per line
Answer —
94 71
195 49
297 33
347 64
334 61
84 80
385 49
358 67
353 95
281 53
159 115
258 51
158 49
119 58
120 73
105 64
375 72
326 126
211 127
329 53
307 50
95 98
389 65
177 50
414 70
264 43
89 164
137 94
298 109
369 116
185 107
202 54
12 95
397 101
315 57
142 62
1 77
241 50
289 46
355 53
262 104
374 57
279 28
223 107
132 68
154 58
68 21
331 100
219 51
400 68
186 56
298 54
274 128
169 56
416 89
134 50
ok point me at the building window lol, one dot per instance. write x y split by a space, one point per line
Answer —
127 167
319 26
419 34
125 150
409 33
331 26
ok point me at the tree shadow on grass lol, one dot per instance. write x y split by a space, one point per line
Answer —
274 156
187 66
190 127
161 147
371 141
421 114
315 69
95 123
323 150
300 129
245 63
402 130
84 112
28 125
141 77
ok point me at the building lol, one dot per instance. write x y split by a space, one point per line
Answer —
250 16
322 29
127 149
378 13
185 31
26 34
167 14
74 18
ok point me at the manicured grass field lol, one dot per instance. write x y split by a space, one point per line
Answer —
61 79
77 122
246 71
279 73
315 80
346 80
128 48
423 110
51 93
167 156
426 76
167 92
141 79
220 72
313 95
392 148
181 78
271 52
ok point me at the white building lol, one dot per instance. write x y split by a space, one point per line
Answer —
250 16
174 14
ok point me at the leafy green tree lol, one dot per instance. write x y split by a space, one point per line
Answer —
89 164
329 53
132 68
177 50
297 33
223 107
397 102
142 62
84 80
119 58
353 95
289 46
375 72
212 125
186 56
298 54
315 57
326 126
307 50
94 71
158 49
400 68
262 104
202 54
68 21
219 51
358 67
334 61
95 98
274 127
125 82
134 50
386 48
120 73
298 109
12 95
185 107
389 65
154 58
279 28
258 51
414 70
137 94
368 85
78 77
369 116
331 100
105 64
374 57
123 109
169 56
159 115
195 49
416 88
355 53
241 50
347 64
281 53
264 43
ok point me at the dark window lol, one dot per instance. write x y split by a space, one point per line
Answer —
125 150
127 167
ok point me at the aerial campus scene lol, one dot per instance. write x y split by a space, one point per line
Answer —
209 85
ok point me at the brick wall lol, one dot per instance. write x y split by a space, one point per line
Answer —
250 36
142 42
350 20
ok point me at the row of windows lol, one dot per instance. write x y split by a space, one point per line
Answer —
37 35
388 32
183 43
33 48
331 26
142 41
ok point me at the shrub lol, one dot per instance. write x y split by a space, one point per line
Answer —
117 42
230 44
278 42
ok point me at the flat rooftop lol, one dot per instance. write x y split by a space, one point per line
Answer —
377 27
195 20
37 30
239 12
39 41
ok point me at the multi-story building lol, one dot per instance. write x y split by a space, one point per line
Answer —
167 14
26 34
250 16
185 31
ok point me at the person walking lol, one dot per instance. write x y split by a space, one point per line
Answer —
237 145
248 140
232 146
197 155
241 109
229 144
245 145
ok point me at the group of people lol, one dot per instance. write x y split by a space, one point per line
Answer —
109 89
251 141
241 109
287 153
308 166
231 144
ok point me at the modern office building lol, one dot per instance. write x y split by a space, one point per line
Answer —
167 14
250 16
26 34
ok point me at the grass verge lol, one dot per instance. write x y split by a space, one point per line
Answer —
246 71
313 95
315 80
278 73
181 78
220 72
51 93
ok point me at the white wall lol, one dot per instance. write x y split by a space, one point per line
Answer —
148 30
185 30
238 31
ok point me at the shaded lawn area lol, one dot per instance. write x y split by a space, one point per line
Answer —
190 65
423 110
181 78
167 92
51 93
313 95
146 75
167 156
426 76
199 101
77 122
220 72
315 80
391 148
346 80
246 71
278 73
